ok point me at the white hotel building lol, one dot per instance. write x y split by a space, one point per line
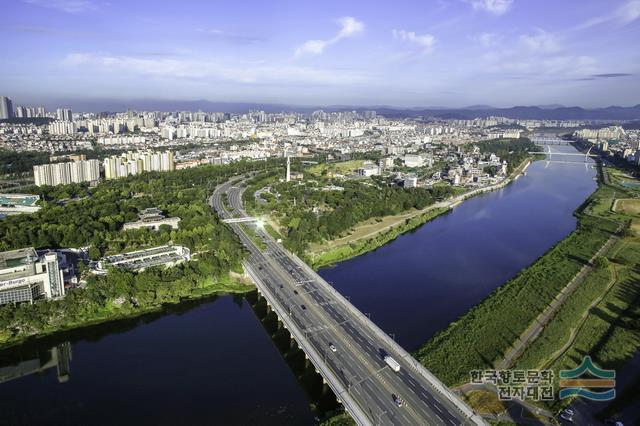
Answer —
25 276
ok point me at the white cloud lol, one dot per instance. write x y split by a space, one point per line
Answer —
69 6
350 27
425 41
256 72
623 15
496 7
539 55
628 12
542 42
489 39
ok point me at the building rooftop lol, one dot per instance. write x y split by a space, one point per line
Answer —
13 258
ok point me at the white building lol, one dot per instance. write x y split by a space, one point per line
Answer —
62 128
25 276
410 182
64 114
413 160
140 260
134 163
66 173
368 170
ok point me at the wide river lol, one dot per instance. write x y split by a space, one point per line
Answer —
213 362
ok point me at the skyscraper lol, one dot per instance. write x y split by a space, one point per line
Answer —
6 107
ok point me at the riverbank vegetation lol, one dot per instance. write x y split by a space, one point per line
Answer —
491 327
81 216
599 318
602 317
347 251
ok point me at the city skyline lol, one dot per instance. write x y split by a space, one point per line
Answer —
442 53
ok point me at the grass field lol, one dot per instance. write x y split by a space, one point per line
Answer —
366 229
628 206
484 402
376 239
343 168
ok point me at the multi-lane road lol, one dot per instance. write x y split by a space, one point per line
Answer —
345 347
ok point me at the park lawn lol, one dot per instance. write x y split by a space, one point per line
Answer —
365 229
343 168
630 206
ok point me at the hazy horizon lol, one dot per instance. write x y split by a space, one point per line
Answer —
114 104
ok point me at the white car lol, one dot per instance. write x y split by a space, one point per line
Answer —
566 416
333 348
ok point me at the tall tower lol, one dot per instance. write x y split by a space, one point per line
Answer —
288 168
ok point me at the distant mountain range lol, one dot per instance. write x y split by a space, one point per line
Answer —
543 112
522 112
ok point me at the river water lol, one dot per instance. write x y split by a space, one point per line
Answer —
213 362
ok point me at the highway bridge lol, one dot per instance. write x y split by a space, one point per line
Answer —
549 140
345 347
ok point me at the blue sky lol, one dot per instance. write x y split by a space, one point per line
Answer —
401 53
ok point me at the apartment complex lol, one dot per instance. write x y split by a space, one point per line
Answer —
25 276
66 173
134 163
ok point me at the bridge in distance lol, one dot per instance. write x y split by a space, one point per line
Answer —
345 347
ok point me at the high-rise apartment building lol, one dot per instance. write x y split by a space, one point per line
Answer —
133 163
66 173
6 108
62 128
64 114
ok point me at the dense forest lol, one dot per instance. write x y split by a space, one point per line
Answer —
79 215
515 151
19 162
311 214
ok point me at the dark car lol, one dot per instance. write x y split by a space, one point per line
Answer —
397 400
303 307
295 291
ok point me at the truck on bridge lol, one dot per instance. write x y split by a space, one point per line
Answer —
392 363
